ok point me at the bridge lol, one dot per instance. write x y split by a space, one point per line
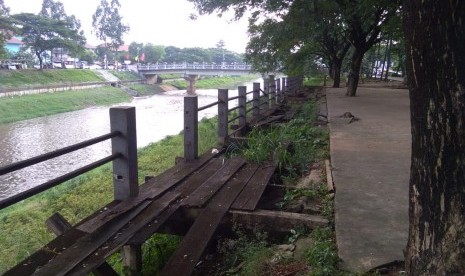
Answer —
192 71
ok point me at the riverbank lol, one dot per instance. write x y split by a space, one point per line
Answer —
17 108
18 79
215 82
22 225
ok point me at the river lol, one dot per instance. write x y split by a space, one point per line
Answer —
156 117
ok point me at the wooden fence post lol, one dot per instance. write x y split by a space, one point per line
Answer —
191 135
256 100
222 115
242 107
125 182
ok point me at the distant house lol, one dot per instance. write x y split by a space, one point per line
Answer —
13 45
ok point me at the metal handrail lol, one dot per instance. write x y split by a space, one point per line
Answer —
234 108
54 182
47 156
207 106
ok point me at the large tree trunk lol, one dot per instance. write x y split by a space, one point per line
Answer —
435 42
354 74
39 56
337 64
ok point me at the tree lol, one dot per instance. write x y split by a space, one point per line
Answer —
108 26
6 28
365 20
44 33
435 39
152 53
134 49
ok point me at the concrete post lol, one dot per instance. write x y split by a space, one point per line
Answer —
222 115
125 171
132 259
256 99
278 91
151 79
266 97
242 106
191 81
191 135
272 90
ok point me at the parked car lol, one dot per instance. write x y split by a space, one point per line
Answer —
84 65
94 66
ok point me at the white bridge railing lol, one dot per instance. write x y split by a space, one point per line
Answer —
199 66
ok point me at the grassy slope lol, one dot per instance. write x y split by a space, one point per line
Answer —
126 75
25 78
22 225
217 82
19 108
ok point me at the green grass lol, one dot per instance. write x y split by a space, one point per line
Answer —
19 108
32 77
291 146
22 225
145 89
214 82
171 76
322 256
126 75
246 252
315 81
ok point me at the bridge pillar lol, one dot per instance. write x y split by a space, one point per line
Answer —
151 79
191 79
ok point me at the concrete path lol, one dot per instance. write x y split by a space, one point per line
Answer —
371 165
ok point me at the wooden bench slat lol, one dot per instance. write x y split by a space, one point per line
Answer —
202 194
194 243
250 196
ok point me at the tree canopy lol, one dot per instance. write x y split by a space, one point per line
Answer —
7 27
43 33
108 25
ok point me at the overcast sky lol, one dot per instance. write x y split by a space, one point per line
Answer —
160 22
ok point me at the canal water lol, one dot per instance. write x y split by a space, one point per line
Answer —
156 116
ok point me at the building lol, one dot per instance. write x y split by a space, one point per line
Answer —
14 44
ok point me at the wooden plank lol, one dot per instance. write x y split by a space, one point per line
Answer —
269 120
59 225
276 220
194 243
120 238
329 177
250 196
145 233
202 194
42 256
69 258
152 189
189 185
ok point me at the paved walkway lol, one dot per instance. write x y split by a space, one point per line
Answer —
371 163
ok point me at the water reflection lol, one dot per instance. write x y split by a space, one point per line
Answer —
156 116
